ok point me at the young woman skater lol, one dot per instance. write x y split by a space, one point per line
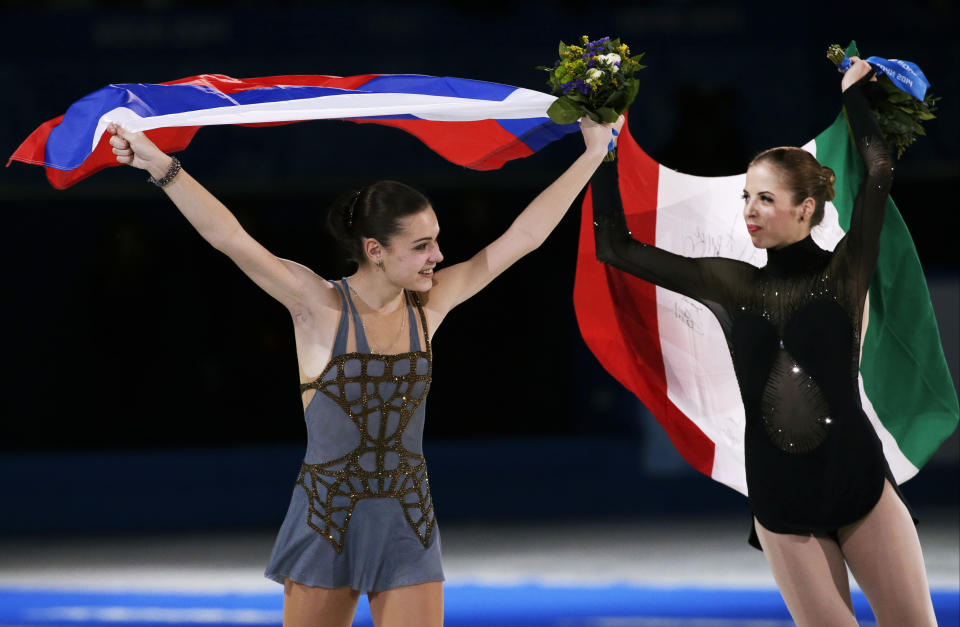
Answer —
361 518
821 492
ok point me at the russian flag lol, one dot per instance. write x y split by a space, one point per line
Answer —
476 124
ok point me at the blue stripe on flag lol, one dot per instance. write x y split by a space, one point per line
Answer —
538 132
167 99
69 143
438 86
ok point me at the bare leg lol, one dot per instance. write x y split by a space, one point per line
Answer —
812 577
884 554
410 606
307 606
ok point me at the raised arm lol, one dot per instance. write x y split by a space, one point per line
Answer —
286 281
459 282
697 278
860 246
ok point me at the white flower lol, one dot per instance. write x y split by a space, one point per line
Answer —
593 74
610 59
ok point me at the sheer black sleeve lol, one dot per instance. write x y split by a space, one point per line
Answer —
859 248
698 278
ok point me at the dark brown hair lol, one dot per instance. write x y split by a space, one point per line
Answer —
803 175
372 211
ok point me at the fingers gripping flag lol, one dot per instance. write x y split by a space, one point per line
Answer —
670 351
475 124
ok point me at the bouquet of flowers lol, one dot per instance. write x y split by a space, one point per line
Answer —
593 79
898 113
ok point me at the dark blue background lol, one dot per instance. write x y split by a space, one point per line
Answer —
148 384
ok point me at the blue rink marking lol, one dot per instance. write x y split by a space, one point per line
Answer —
526 605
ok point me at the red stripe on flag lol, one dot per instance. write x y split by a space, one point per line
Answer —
230 85
617 312
32 149
173 139
468 145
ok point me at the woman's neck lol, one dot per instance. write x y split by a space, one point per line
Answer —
375 291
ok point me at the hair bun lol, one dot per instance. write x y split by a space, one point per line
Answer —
829 177
372 211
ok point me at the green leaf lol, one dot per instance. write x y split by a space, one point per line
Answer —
615 98
607 114
634 87
623 97
901 117
899 96
563 111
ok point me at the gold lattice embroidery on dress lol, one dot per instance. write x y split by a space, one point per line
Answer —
380 466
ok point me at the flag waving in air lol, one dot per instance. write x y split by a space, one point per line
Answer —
670 351
475 124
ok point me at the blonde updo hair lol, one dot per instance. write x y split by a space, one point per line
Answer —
803 175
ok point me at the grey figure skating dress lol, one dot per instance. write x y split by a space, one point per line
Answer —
361 514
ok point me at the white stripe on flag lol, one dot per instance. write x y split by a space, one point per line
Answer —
520 104
901 467
702 217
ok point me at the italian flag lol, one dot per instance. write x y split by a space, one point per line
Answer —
670 351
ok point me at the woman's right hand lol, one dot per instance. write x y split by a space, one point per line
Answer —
137 150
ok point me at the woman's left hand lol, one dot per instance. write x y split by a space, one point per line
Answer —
597 136
858 69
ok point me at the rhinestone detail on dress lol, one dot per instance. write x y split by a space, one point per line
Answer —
380 466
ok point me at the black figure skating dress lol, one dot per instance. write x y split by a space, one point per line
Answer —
813 460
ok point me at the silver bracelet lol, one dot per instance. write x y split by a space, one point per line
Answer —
169 176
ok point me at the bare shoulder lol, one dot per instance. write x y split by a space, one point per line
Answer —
448 284
430 301
319 296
